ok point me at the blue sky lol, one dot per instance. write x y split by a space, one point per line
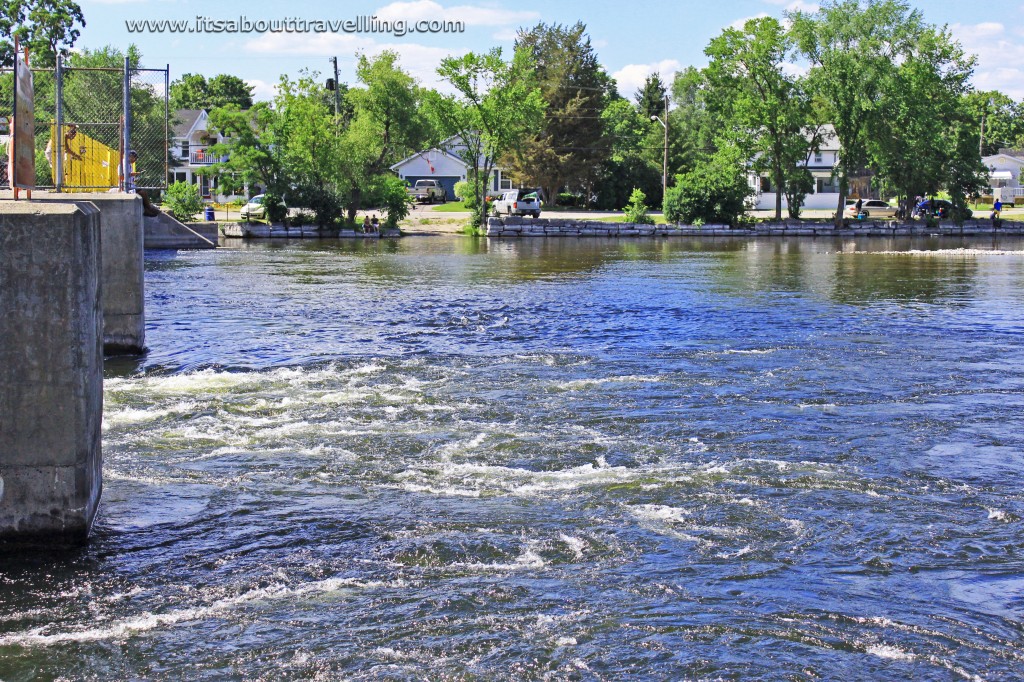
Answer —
632 39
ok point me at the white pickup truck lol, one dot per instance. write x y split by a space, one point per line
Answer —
427 191
517 202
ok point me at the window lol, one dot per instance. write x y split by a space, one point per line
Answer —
819 157
766 184
184 149
506 183
826 186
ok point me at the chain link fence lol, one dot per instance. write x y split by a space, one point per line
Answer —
87 111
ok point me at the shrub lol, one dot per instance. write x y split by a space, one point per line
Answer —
276 210
569 199
323 200
184 201
394 199
636 209
714 192
464 191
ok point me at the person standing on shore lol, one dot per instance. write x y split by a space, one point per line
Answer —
996 209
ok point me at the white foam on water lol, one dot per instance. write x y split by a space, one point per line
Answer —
889 652
575 544
999 515
579 384
128 627
660 512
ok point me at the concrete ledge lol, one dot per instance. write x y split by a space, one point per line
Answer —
167 232
51 368
123 275
515 226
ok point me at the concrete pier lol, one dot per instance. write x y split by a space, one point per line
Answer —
124 316
51 368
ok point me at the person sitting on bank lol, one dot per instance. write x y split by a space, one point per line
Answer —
367 227
148 209
375 224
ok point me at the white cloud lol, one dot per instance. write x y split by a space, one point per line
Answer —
262 91
631 77
796 5
472 15
998 51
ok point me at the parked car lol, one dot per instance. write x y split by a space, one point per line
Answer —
938 207
517 202
871 208
428 191
254 209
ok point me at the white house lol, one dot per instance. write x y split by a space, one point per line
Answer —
821 163
445 163
189 150
1004 173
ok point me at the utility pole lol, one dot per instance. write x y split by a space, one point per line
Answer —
337 95
664 163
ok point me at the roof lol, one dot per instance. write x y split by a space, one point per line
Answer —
187 118
417 155
1008 154
1001 175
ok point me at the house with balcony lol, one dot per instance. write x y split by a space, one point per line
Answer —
190 151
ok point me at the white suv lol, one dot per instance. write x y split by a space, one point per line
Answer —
518 202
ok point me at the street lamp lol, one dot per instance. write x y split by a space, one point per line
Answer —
664 163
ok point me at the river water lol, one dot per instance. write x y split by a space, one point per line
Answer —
452 459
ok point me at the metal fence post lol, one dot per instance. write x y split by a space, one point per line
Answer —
126 166
57 145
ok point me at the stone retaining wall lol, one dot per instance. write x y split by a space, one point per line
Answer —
514 226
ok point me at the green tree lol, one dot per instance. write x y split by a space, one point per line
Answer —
388 123
566 149
768 110
46 27
650 99
853 46
693 125
253 156
627 131
999 117
497 104
193 91
713 192
918 109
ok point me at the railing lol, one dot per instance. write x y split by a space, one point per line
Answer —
200 156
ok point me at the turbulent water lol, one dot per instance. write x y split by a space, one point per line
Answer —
451 459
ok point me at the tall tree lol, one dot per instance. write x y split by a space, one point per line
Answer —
768 109
650 99
387 124
998 118
853 46
497 104
567 148
46 27
194 91
918 112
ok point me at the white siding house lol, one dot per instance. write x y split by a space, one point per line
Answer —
1004 173
189 151
821 164
445 164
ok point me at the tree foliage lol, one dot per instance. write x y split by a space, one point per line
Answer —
194 91
45 27
853 47
497 104
715 192
767 110
567 148
650 98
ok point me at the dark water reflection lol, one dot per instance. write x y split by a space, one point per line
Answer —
446 458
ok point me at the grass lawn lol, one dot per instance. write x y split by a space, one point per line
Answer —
658 219
451 207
